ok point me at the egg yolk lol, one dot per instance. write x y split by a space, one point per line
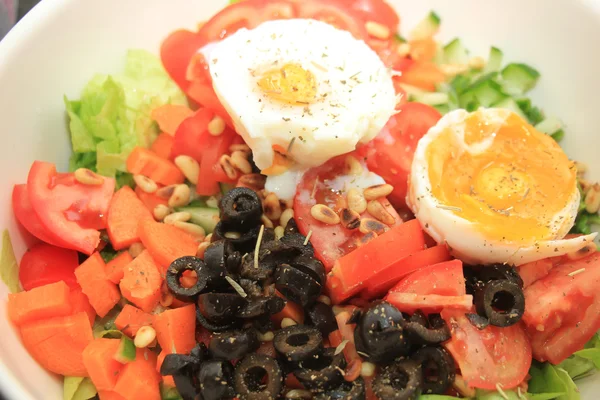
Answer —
291 84
508 179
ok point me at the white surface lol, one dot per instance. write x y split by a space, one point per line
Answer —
57 47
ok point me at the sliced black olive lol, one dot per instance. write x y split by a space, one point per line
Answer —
263 324
200 352
270 255
355 317
297 240
240 209
258 377
398 381
477 320
291 227
502 302
233 345
379 333
257 306
498 272
216 256
234 260
212 326
323 373
421 330
310 265
216 380
220 307
298 343
243 242
354 390
322 317
252 288
184 382
296 285
437 369
175 363
177 268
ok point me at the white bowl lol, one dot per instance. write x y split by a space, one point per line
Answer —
59 45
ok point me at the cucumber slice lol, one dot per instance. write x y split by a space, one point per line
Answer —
206 217
518 79
411 90
455 53
485 91
534 114
510 104
427 27
432 98
549 126
494 60
442 108
558 135
126 351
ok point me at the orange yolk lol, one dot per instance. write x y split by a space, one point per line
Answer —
291 84
513 188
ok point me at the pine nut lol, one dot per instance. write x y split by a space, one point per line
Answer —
279 232
227 166
367 369
240 161
324 214
255 182
160 212
201 249
232 235
477 63
366 238
324 299
88 177
581 168
287 322
585 185
180 197
372 225
144 336
353 166
166 192
266 337
378 211
193 229
286 215
453 69
216 126
582 252
182 216
350 219
592 199
266 221
189 167
403 49
272 207
212 202
377 30
136 249
378 191
240 147
356 201
298 394
146 184
166 299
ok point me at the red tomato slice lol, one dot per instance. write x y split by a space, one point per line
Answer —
330 241
192 134
68 209
445 279
390 154
562 310
374 10
536 270
176 52
336 13
211 172
44 264
428 303
490 356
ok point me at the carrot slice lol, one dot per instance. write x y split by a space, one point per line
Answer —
163 145
102 293
43 302
291 310
114 268
150 200
139 378
167 379
146 162
80 303
125 212
109 395
98 358
141 282
169 116
57 344
166 243
423 49
131 319
424 75
176 329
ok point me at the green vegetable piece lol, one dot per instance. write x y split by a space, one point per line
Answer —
169 393
518 78
427 27
545 380
505 395
558 136
549 126
436 397
206 217
572 393
494 61
78 388
126 351
510 104
9 268
455 53
106 326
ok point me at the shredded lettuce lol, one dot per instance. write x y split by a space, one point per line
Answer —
9 268
78 388
113 114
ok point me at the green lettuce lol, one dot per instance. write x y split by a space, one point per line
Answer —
113 114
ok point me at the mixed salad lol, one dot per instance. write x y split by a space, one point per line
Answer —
295 201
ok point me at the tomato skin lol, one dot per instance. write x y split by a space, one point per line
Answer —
210 170
445 279
374 10
176 51
44 264
191 135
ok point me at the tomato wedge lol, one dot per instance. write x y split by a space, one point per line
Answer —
44 264
445 279
211 172
488 357
68 209
428 303
374 10
191 135
336 13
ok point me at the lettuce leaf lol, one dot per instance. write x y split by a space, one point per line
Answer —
9 268
551 382
583 362
113 114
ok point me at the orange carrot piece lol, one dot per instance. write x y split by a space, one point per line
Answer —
424 75
146 162
131 319
125 212
102 293
141 282
114 268
166 243
291 310
163 145
98 358
170 116
150 200
139 379
109 395
57 344
167 379
176 329
80 303
423 49
42 302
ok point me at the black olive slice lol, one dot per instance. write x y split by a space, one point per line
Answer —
291 227
421 330
220 307
258 377
398 381
215 326
234 260
322 317
437 369
499 272
175 363
252 288
354 390
297 240
216 380
177 268
233 345
240 209
310 265
270 255
216 255
502 302
298 343
323 373
184 382
296 285
200 352
477 320
243 242
257 306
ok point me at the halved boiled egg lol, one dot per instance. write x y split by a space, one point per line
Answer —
495 189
